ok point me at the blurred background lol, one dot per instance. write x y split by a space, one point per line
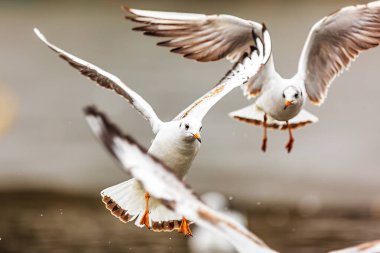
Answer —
324 195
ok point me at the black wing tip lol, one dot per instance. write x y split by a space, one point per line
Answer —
254 35
108 129
91 110
264 27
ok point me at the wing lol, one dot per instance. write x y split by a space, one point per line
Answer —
334 42
196 36
240 74
163 184
369 247
108 81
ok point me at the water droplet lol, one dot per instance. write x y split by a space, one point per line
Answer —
170 238
41 214
230 198
258 203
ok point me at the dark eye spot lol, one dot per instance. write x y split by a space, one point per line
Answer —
187 126
180 124
200 129
283 95
296 95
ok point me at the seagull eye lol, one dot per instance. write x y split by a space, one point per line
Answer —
187 126
283 95
200 129
296 95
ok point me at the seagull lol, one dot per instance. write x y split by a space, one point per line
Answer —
165 185
176 142
332 44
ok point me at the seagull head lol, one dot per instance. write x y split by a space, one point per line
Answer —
291 96
191 129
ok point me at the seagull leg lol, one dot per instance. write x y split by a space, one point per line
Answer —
265 139
145 219
289 145
184 228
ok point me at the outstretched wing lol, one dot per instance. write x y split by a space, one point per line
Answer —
240 74
334 42
196 36
108 81
163 184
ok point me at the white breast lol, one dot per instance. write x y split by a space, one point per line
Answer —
174 151
271 101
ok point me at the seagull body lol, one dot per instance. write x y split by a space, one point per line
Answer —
176 142
332 44
173 149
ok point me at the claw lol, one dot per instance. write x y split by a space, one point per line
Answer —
184 228
264 145
289 145
265 139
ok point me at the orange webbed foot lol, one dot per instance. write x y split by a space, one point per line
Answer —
145 219
184 228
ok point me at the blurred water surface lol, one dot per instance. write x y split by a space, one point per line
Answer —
41 222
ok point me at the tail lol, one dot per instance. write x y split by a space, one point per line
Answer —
126 201
254 116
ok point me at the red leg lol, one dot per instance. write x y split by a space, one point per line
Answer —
289 145
145 219
265 139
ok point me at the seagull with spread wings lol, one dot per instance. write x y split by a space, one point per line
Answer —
333 43
165 185
176 142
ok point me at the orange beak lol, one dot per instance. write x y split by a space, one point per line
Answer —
288 103
198 137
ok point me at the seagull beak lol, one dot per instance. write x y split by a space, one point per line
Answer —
288 103
198 137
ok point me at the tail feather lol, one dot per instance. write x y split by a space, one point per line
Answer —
126 201
254 116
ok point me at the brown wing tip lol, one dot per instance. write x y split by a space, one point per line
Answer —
116 210
165 226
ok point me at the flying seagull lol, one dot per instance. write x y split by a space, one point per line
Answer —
176 142
165 185
333 43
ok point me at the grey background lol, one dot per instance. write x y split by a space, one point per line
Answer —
50 147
